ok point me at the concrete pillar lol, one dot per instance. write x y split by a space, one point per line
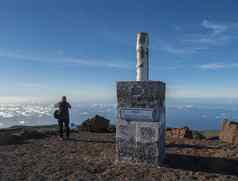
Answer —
141 121
142 57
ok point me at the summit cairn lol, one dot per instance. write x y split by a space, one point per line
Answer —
140 131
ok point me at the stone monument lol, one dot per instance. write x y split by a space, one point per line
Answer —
140 132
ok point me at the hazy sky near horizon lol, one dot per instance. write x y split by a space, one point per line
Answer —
80 48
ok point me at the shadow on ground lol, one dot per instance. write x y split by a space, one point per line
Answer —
203 164
90 141
188 162
191 146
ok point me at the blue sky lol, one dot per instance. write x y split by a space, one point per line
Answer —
80 48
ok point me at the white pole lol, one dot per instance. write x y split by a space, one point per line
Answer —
142 57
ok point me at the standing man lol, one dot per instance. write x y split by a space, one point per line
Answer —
64 107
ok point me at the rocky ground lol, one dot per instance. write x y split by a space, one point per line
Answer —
91 156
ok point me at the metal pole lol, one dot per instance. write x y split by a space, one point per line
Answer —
142 57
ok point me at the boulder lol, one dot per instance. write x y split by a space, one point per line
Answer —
179 133
97 124
229 132
197 135
112 129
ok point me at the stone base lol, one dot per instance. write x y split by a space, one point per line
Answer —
140 142
140 130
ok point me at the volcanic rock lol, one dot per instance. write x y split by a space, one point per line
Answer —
97 124
179 132
229 132
91 156
112 128
198 135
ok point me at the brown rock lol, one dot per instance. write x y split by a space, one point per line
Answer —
197 135
97 124
179 132
229 132
112 129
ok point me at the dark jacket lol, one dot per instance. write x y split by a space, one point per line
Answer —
64 110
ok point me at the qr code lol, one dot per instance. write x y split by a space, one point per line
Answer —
147 133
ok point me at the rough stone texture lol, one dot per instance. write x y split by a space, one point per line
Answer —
96 124
229 132
141 94
179 132
141 141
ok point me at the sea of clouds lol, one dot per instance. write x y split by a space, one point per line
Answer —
196 116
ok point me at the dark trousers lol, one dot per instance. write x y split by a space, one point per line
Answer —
64 123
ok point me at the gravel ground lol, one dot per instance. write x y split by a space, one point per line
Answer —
91 156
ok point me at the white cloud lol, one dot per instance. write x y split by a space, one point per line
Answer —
97 63
32 85
217 29
174 50
215 66
182 50
202 92
21 99
212 66
67 60
217 35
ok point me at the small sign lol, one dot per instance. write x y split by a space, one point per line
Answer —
138 114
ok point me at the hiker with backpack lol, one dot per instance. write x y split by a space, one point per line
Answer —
62 115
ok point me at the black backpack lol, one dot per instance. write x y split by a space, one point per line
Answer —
57 114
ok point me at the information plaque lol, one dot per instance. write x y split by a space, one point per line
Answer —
139 114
